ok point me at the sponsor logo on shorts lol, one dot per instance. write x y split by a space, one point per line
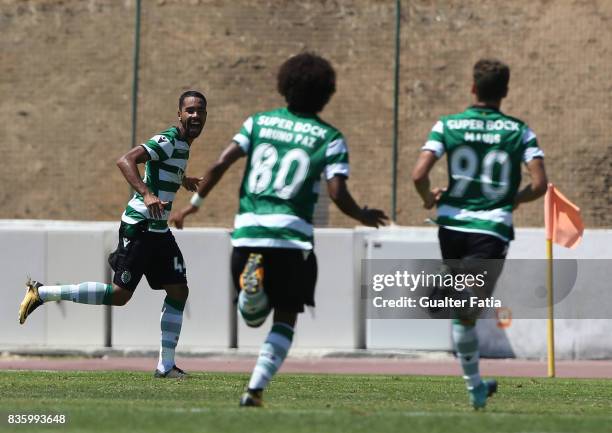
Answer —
126 276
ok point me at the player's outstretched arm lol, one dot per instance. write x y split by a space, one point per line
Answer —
340 195
420 177
191 183
212 176
537 187
128 164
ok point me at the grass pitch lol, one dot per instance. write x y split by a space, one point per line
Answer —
135 402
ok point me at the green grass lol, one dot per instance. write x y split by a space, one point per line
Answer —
135 402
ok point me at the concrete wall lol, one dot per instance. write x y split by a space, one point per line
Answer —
71 252
574 338
67 252
524 338
418 334
55 253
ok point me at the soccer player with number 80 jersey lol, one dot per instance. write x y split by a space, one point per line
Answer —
287 150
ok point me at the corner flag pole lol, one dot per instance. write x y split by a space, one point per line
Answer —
549 217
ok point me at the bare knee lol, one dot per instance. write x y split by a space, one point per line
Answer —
121 296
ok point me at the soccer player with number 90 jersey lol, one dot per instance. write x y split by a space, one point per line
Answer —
485 150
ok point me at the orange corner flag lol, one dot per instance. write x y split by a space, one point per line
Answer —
562 218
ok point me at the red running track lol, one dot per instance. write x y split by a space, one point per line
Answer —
399 366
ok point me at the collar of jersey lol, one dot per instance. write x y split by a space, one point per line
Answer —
179 136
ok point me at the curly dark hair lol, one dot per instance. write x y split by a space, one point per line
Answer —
491 79
307 81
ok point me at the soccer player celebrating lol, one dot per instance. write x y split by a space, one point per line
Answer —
287 150
485 149
146 245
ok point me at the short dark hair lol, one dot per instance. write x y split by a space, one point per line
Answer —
191 93
491 79
307 81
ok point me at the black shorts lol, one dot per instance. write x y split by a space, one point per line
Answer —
455 244
473 253
290 275
141 252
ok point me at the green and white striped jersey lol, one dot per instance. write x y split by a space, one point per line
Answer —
286 154
485 150
163 176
